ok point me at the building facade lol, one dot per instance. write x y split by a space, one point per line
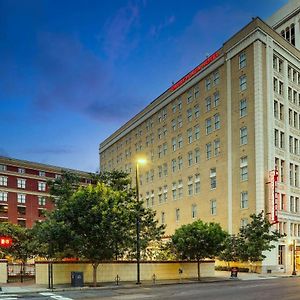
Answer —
24 194
223 142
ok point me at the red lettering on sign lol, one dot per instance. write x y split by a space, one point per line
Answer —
195 71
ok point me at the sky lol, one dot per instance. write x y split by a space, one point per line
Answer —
73 71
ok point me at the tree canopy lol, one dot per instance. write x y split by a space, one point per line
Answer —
96 222
198 240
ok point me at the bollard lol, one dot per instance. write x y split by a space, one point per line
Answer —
153 278
117 279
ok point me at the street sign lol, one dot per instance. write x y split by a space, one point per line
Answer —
5 241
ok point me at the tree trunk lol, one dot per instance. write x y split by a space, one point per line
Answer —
95 267
198 267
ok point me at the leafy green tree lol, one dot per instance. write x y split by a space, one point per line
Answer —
257 237
231 249
198 240
21 248
97 222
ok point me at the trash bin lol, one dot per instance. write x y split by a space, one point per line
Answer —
234 272
77 279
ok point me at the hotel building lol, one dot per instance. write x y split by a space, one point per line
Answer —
224 141
24 194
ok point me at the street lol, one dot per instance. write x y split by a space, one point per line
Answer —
275 289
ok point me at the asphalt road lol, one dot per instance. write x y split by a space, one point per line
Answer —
269 289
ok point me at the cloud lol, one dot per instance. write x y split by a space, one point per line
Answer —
118 36
208 26
55 151
3 152
155 30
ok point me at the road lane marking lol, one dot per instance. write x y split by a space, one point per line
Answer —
54 296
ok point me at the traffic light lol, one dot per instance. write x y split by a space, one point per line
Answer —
5 241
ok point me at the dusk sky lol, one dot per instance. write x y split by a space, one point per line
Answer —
72 72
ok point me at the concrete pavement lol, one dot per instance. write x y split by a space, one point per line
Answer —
30 287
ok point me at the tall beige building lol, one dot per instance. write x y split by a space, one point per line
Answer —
224 141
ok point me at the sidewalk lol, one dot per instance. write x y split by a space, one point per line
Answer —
29 286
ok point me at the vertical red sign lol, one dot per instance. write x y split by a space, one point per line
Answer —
273 196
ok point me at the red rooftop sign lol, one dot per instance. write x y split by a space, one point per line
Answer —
5 241
195 71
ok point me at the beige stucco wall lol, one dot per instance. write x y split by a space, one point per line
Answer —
107 272
3 271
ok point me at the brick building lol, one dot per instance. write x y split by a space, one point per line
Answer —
24 192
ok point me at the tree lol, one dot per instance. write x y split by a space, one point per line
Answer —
21 243
256 238
231 249
198 240
96 222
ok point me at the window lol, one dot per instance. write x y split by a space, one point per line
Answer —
180 162
197 183
177 214
217 121
242 60
165 148
180 142
180 188
3 180
179 121
213 207
165 194
213 178
165 169
174 162
197 155
196 111
174 190
216 99
243 108
21 198
243 135
243 83
190 185
21 183
196 91
244 199
189 97
159 151
3 196
179 104
208 151
207 84
21 170
190 158
42 201
208 126
173 125
22 222
190 135
244 222
42 173
194 211
189 114
174 144
244 168
42 186
21 210
197 132
2 168
208 103
216 147
216 78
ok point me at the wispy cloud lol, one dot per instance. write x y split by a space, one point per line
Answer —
3 152
118 36
207 28
155 30
51 150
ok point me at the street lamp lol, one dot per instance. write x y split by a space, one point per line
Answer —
138 244
294 258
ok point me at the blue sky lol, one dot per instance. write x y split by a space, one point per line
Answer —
72 72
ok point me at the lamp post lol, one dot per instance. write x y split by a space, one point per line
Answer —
294 258
138 244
